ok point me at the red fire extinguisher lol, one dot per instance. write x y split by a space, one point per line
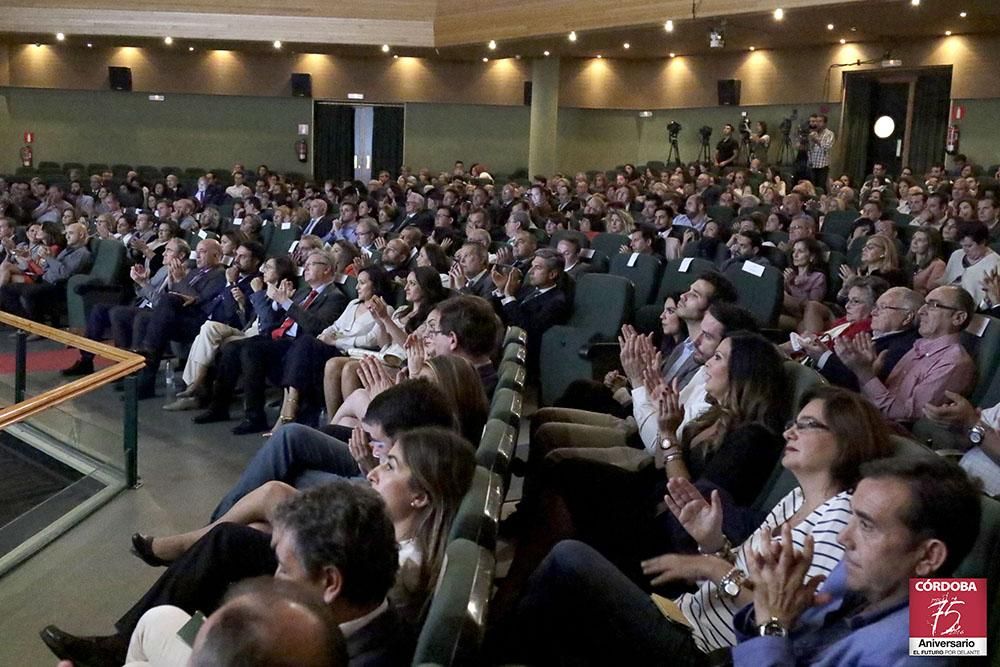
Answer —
27 156
951 143
302 149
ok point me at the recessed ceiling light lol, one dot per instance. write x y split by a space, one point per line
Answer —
90 45
669 26
599 56
486 60
60 36
546 54
626 45
947 33
277 44
395 56
829 26
673 55
168 40
492 45
385 48
753 48
517 56
915 3
779 14
572 36
190 48
854 28
843 41
963 14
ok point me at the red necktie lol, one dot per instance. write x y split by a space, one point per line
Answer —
280 332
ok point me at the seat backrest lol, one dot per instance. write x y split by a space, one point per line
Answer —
496 447
512 376
761 295
453 632
801 379
609 244
601 304
515 334
109 259
506 406
833 280
643 270
478 515
282 238
985 350
832 241
722 214
569 233
678 274
840 223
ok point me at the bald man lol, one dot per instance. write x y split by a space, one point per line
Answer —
39 300
191 299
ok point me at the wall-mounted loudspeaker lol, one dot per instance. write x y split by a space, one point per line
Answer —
120 78
302 85
729 92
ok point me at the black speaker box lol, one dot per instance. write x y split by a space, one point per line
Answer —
729 92
302 85
527 93
120 78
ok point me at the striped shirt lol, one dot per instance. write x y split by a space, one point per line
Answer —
711 616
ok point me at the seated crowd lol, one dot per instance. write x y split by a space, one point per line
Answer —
377 337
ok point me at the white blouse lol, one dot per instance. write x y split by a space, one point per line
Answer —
354 328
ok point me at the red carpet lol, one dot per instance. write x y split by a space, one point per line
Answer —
46 362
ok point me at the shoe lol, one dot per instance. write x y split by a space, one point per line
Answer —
142 547
85 651
81 367
211 417
249 426
281 422
183 403
187 392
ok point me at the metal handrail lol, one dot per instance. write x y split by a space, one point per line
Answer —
126 364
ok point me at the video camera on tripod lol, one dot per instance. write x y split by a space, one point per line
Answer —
745 125
673 129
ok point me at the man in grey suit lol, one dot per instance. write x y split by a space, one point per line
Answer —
471 272
127 324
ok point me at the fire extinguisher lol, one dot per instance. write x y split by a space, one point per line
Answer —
951 143
302 149
27 156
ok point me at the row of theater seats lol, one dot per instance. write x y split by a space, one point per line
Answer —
453 631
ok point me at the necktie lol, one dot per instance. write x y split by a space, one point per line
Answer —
279 333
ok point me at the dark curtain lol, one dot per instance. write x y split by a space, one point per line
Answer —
930 120
334 142
857 126
387 140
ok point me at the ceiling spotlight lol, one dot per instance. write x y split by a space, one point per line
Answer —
779 14
486 60
517 56
626 45
385 48
60 36
90 45
277 44
947 33
829 26
962 15
545 53
673 55
915 3
168 40
572 36
843 41
395 56
190 48
492 46
753 48
599 56
669 26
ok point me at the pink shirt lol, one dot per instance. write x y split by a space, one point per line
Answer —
810 287
921 378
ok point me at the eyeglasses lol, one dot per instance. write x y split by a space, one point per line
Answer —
428 332
879 306
937 305
806 424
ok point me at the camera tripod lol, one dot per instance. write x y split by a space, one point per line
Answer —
674 153
785 151
744 154
704 153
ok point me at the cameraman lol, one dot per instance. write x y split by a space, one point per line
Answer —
727 149
820 147
760 141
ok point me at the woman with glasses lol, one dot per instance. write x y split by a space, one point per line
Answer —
879 257
862 293
579 606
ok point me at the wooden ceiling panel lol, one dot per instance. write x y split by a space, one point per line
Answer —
403 10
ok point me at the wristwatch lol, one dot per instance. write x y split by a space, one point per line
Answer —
773 628
976 434
732 583
667 444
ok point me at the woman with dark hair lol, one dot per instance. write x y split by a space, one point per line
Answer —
434 256
423 291
344 254
924 259
355 328
576 594
805 281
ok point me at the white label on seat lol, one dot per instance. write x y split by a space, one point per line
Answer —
291 248
633 258
286 225
203 234
301 270
340 278
685 265
586 253
977 325
237 221
753 268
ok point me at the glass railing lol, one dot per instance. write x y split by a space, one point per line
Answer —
67 445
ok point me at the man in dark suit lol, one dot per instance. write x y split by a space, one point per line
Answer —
536 306
416 214
259 359
894 331
319 223
471 272
358 543
190 296
569 249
